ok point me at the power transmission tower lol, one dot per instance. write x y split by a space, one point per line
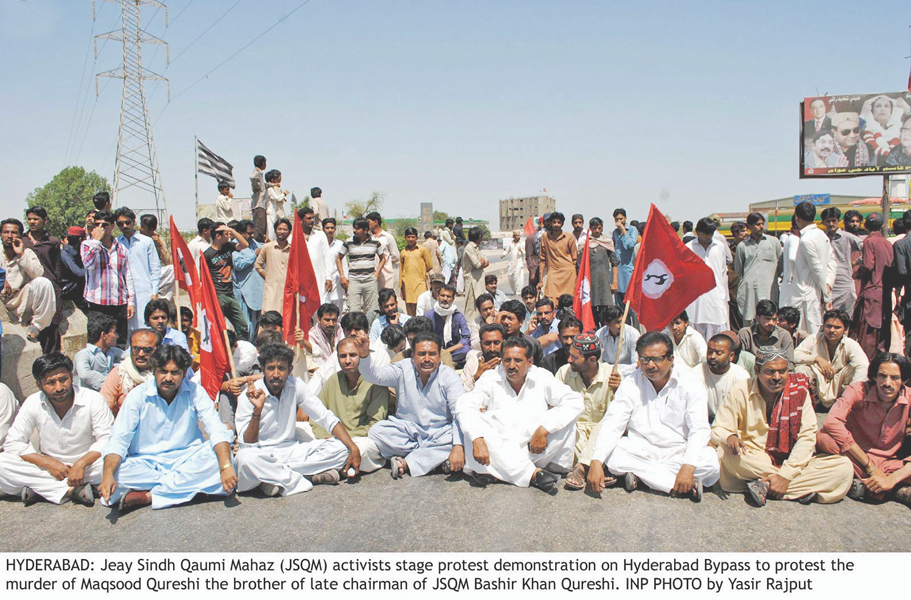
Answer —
136 165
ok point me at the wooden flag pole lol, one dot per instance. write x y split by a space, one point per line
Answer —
230 354
620 337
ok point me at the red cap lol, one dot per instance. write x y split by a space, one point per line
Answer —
75 230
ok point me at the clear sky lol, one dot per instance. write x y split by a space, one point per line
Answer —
692 105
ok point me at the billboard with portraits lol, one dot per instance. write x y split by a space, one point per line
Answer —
854 135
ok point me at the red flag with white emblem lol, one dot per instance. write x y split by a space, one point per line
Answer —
185 274
213 349
582 303
667 276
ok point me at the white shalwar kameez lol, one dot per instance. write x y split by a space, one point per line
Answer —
83 429
709 312
813 277
423 429
318 249
162 448
278 458
507 421
665 430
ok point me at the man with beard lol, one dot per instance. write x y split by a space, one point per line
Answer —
272 266
423 433
765 430
765 331
318 249
133 372
47 248
867 424
596 382
487 313
415 326
156 453
569 328
511 316
718 373
665 415
831 360
756 263
27 295
450 325
478 362
610 336
546 330
389 314
521 422
821 154
270 457
559 255
844 246
359 405
73 424
324 335
158 317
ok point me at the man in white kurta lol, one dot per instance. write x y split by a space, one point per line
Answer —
270 455
709 312
520 420
609 335
318 249
9 406
689 345
73 424
664 412
831 360
719 373
813 274
336 294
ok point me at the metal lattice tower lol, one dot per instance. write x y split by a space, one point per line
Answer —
136 165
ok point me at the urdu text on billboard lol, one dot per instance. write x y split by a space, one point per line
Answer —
854 135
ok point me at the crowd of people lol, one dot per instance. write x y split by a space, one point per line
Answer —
512 388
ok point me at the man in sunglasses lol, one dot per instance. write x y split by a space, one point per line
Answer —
130 373
664 411
108 280
851 150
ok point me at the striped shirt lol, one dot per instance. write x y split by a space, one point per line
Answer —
362 257
108 280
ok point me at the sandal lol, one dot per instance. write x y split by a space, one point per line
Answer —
398 467
758 491
575 481
630 482
546 482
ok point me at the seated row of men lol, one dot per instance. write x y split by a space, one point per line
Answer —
519 424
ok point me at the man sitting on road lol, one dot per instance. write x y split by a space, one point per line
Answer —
719 373
521 422
324 335
450 325
73 424
100 355
868 425
765 331
156 453
415 326
665 414
132 371
765 431
689 345
351 323
479 362
610 337
359 405
270 456
568 328
422 434
546 329
158 317
831 360
487 313
389 314
511 316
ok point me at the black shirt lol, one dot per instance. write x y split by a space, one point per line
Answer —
553 361
220 265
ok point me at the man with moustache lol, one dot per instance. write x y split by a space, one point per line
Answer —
521 422
133 371
831 360
156 453
821 154
765 431
664 413
423 433
868 425
73 424
270 456
511 316
718 373
850 150
845 246
478 362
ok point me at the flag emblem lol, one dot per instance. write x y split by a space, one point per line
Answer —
657 279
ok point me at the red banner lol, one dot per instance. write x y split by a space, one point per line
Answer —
213 350
300 285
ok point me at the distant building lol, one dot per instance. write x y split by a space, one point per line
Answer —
514 212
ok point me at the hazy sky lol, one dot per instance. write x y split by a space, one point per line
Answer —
692 105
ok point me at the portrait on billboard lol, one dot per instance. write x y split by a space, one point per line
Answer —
848 136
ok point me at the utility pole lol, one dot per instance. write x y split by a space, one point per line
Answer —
136 165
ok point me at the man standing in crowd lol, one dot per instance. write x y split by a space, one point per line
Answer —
320 208
873 314
47 248
156 453
844 245
766 430
559 255
148 225
220 260
144 264
224 203
26 294
335 294
258 197
756 263
108 280
812 270
201 242
625 240
248 283
364 271
709 312
72 425
533 255
473 265
389 249
436 258
317 248
272 266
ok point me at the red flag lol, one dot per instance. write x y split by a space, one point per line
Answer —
300 282
667 277
213 350
582 303
529 226
185 274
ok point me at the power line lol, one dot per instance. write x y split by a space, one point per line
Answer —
222 63
85 63
179 54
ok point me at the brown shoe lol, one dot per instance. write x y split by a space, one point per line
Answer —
903 495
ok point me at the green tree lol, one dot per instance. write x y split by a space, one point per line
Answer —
360 208
439 216
68 197
300 204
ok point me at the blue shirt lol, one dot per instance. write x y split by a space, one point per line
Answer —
460 333
248 284
144 263
554 328
91 366
625 246
147 424
429 406
381 323
174 337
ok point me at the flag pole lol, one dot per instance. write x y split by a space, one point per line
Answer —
230 354
196 175
610 392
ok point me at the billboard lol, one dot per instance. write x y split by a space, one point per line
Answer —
851 136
